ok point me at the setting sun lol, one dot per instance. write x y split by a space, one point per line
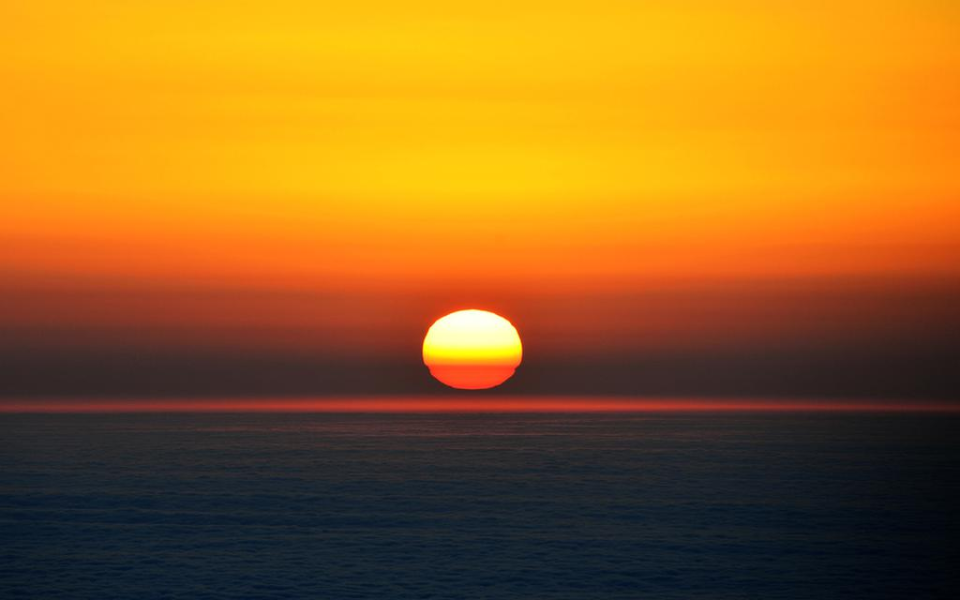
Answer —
472 349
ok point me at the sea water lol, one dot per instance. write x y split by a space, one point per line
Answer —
541 506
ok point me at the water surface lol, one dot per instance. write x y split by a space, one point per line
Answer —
546 506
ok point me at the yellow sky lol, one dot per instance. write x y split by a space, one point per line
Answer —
304 143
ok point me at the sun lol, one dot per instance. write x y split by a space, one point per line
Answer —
472 349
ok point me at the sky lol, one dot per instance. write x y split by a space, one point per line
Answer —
684 198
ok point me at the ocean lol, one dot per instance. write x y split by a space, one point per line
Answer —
798 505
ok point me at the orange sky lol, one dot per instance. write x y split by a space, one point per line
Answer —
332 177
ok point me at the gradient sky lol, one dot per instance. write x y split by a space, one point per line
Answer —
684 197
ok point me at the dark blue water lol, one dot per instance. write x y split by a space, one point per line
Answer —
479 506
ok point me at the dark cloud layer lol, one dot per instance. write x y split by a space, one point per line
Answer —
850 339
896 371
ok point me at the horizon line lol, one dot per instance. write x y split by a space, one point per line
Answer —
412 404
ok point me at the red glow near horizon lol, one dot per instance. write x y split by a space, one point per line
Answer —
459 405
